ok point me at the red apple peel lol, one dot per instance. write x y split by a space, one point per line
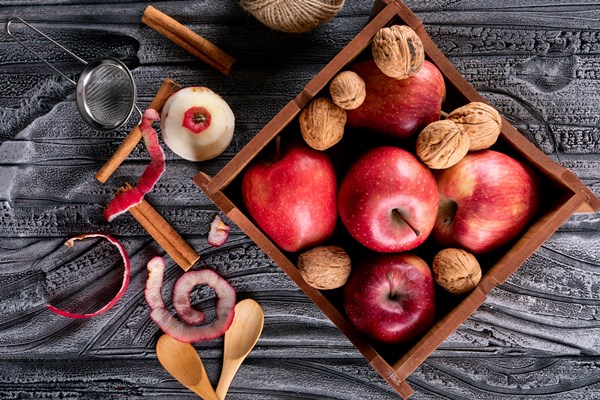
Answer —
124 284
126 199
156 168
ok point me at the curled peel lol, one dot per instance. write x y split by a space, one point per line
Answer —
185 331
128 198
124 285
156 168
122 202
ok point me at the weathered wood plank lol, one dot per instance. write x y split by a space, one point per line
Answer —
536 335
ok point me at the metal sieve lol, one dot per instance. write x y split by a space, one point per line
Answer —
105 91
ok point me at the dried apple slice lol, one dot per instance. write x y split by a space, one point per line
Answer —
172 326
219 232
124 285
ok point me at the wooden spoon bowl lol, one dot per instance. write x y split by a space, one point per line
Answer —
182 361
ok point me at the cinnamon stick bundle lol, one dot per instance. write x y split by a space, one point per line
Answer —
188 40
167 88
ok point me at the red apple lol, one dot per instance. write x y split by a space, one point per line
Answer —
398 107
388 200
292 198
391 297
485 201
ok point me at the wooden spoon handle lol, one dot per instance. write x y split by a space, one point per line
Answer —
204 394
204 388
228 372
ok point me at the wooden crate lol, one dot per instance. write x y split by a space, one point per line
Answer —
564 192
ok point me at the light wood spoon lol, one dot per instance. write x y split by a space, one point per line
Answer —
182 361
240 338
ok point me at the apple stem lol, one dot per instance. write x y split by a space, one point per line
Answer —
398 214
393 292
277 154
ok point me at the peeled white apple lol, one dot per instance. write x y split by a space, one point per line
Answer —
197 124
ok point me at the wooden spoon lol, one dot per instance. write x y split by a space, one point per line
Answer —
182 361
240 338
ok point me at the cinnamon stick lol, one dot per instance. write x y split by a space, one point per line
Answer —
167 88
164 234
188 40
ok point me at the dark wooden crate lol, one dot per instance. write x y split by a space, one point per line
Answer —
566 195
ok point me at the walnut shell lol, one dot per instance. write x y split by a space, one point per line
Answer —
322 123
348 90
480 121
325 267
398 51
456 270
441 144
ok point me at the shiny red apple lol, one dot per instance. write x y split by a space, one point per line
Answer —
485 201
391 297
292 197
388 200
398 107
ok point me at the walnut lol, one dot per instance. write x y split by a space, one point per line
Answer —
398 51
441 144
322 123
480 121
348 90
325 267
456 270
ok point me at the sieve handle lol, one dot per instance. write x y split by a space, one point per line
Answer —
10 33
139 112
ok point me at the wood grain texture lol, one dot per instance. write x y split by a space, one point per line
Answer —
535 336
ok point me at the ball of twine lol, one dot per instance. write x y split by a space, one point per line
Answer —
293 16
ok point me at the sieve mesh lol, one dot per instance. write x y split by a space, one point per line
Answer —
109 95
106 91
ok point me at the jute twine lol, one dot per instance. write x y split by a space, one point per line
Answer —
293 16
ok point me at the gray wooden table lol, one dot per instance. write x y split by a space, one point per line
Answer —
537 335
